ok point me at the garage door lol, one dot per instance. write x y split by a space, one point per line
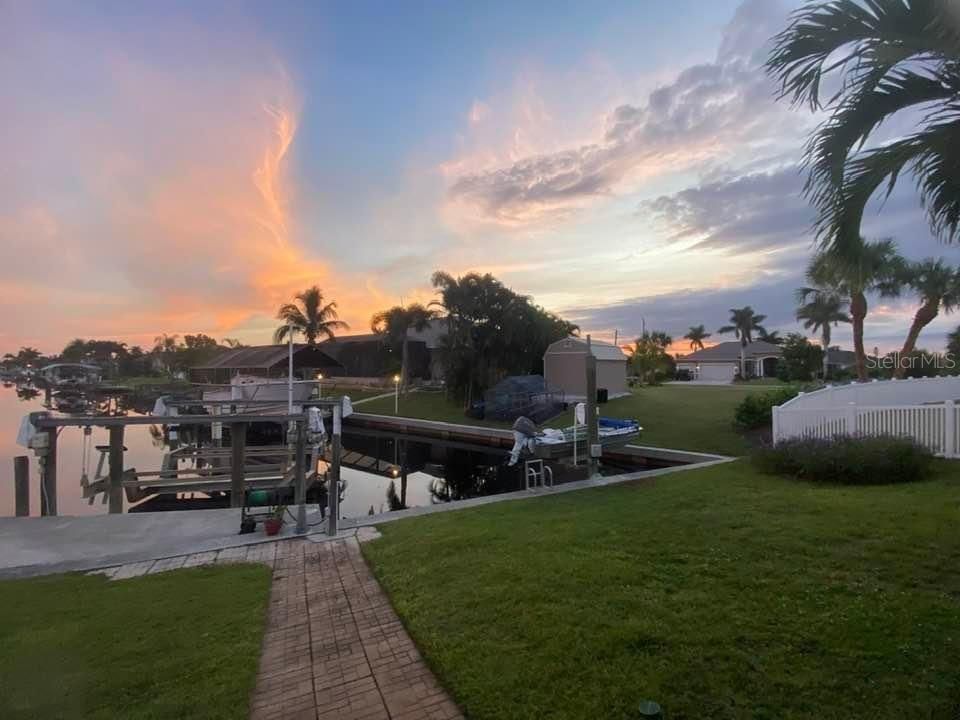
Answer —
720 372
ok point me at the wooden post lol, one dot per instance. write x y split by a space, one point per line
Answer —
300 487
591 411
333 489
238 459
403 473
115 491
21 485
48 476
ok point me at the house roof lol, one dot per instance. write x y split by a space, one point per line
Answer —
266 356
730 352
578 346
844 358
431 336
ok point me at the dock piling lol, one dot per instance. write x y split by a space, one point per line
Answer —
115 490
48 476
300 487
238 460
333 489
21 485
593 436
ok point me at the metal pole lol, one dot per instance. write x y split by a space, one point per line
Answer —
300 488
238 461
116 469
21 485
591 411
333 489
396 394
48 477
290 369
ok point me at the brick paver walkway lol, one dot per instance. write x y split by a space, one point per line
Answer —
333 648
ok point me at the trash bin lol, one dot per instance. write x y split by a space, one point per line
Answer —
602 395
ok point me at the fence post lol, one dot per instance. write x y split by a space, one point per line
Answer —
851 419
776 424
21 485
950 448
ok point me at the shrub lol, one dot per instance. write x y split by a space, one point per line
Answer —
848 460
756 409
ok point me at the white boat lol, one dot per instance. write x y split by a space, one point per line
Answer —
260 395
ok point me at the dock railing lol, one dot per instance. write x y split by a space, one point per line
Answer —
49 426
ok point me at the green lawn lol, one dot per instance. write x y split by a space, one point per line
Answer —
180 644
720 593
686 417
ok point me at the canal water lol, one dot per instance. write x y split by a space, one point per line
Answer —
439 474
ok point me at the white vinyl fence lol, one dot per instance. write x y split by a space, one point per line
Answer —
924 409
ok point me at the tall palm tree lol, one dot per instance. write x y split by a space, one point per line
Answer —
696 335
165 347
396 324
938 286
744 322
885 56
852 272
312 318
820 310
772 337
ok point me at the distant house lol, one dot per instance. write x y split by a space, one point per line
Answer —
838 359
564 367
266 361
370 355
721 363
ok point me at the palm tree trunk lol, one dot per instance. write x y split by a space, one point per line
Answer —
743 359
858 311
924 316
825 340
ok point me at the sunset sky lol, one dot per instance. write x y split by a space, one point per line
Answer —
184 167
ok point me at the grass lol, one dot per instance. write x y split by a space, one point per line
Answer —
181 644
721 593
685 417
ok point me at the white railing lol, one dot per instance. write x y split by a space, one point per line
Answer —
925 410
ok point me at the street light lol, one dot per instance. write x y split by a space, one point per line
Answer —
319 385
396 394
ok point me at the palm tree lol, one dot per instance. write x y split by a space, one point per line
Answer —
772 337
165 347
886 57
311 318
744 322
396 324
232 343
938 286
860 268
820 310
696 335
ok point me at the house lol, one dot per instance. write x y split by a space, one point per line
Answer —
369 355
721 362
266 361
838 359
564 368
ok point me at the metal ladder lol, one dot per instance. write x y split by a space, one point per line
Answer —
537 474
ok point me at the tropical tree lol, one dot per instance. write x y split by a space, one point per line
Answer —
395 324
744 323
492 332
885 57
311 318
853 272
773 337
649 357
165 348
696 335
819 311
938 286
232 343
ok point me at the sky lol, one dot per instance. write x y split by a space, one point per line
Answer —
185 167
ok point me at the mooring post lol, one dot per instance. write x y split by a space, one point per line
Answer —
403 473
115 504
300 488
48 476
333 489
238 461
591 414
21 485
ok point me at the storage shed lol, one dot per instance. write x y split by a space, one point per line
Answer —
565 368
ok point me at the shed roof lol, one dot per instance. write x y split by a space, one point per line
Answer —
578 346
266 356
730 352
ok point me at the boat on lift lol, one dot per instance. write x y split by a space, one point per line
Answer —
250 393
